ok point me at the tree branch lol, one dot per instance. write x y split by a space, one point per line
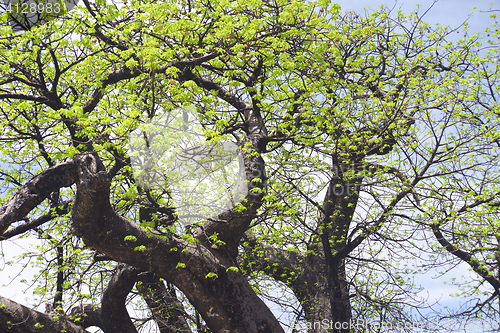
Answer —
23 97
87 315
125 73
114 314
230 225
17 318
61 210
466 257
274 262
35 191
165 307
95 221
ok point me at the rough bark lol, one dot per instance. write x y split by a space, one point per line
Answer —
309 289
35 191
225 300
114 314
61 210
306 276
227 303
87 315
310 281
333 228
17 318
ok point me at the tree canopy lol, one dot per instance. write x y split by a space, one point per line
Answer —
189 159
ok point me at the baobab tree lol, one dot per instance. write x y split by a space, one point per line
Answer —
355 136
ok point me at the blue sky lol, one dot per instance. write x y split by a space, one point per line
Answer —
444 12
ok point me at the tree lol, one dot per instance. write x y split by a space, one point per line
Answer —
357 136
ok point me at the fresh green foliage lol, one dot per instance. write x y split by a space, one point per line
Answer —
380 142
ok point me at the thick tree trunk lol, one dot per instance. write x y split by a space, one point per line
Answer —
338 211
223 297
310 289
319 278
310 283
341 305
226 300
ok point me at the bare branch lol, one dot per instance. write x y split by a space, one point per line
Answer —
466 257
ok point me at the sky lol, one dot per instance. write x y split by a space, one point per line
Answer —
444 12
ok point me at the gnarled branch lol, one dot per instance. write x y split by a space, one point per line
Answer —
35 191
17 318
